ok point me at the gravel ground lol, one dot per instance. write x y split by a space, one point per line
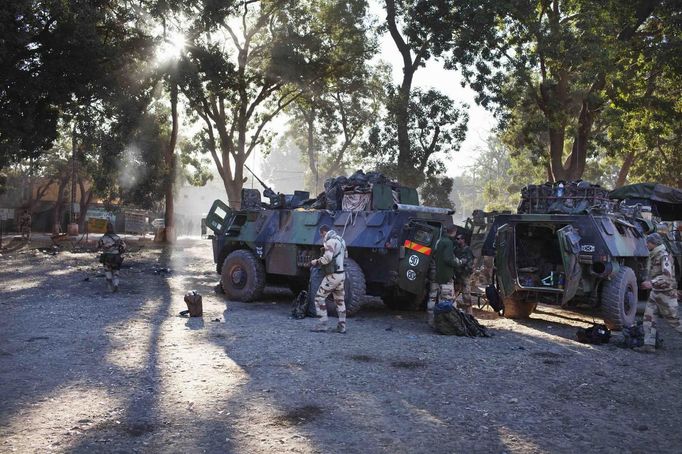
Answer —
83 370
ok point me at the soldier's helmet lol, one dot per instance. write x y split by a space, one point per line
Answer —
655 239
110 227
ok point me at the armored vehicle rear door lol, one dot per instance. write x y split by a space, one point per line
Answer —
569 241
414 264
505 259
218 217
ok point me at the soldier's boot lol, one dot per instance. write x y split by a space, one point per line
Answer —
110 285
320 327
341 328
115 281
645 349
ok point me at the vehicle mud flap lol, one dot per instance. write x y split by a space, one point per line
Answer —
516 308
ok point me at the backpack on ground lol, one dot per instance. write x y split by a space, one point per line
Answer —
300 305
596 334
449 320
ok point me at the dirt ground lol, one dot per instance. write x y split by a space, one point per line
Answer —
83 370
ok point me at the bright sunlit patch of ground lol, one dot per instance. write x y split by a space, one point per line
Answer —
19 284
130 341
70 411
516 442
423 414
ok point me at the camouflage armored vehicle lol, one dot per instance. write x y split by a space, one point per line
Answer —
389 238
663 205
568 246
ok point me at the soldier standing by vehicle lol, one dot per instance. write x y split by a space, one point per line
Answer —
25 225
334 279
663 296
441 272
112 249
463 270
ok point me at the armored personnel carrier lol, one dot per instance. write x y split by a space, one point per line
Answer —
569 245
388 235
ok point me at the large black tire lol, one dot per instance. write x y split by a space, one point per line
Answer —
517 309
354 289
619 299
243 276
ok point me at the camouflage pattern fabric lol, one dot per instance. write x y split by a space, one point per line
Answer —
663 296
462 277
332 283
437 292
112 246
449 320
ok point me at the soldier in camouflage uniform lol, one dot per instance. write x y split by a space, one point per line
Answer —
463 271
333 282
25 225
441 272
112 247
663 296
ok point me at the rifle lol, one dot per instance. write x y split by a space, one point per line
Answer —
268 192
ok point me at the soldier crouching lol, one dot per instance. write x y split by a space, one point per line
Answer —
112 249
332 262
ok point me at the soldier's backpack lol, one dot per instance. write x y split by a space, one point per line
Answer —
300 306
596 334
493 297
449 320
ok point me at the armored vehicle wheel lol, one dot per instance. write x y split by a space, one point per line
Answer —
354 289
243 276
619 299
517 309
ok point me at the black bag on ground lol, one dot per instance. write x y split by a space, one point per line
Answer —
299 308
596 334
449 320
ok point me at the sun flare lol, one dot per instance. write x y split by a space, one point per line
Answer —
171 47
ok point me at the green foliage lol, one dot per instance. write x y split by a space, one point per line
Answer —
547 69
436 129
55 55
436 191
332 113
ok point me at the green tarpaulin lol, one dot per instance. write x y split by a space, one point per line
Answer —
666 201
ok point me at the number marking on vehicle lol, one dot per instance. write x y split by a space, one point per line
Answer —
413 260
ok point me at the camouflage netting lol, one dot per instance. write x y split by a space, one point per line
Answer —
358 186
574 197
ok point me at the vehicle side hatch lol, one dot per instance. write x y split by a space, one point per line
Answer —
569 241
505 259
416 251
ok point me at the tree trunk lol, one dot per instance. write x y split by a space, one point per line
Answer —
234 193
83 203
625 169
556 152
171 161
57 215
309 116
406 172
